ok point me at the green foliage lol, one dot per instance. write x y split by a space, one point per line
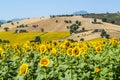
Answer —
67 21
34 26
73 28
81 39
113 22
6 28
104 19
62 66
37 39
104 34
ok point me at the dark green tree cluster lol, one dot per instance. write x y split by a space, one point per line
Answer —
104 34
34 26
21 31
66 15
9 21
95 21
22 26
81 39
104 19
67 21
73 28
37 39
78 23
6 28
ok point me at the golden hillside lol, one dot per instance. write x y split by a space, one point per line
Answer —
58 24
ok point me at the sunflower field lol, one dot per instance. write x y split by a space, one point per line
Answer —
61 60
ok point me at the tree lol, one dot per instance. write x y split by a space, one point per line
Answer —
67 27
83 29
104 19
26 25
56 21
82 39
9 21
37 39
42 29
12 23
95 20
17 22
107 36
34 26
104 34
113 22
6 28
16 31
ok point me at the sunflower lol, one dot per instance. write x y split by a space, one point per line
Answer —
8 47
69 52
44 62
49 47
53 51
26 48
76 51
43 48
112 42
84 49
23 69
66 44
55 43
98 49
96 70
1 52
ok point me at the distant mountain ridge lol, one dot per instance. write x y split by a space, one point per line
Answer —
17 19
13 20
2 21
81 12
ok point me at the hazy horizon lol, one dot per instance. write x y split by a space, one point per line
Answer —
11 9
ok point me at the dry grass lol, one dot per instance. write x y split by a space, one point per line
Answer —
50 25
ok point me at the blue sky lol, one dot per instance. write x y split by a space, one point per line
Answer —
10 9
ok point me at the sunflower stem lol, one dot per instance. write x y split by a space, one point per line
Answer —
45 73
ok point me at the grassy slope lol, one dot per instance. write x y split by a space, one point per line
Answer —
23 37
18 38
54 36
110 17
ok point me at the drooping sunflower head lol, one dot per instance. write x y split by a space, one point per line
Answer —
44 62
76 51
69 52
23 69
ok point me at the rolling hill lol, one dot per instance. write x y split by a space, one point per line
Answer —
58 24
